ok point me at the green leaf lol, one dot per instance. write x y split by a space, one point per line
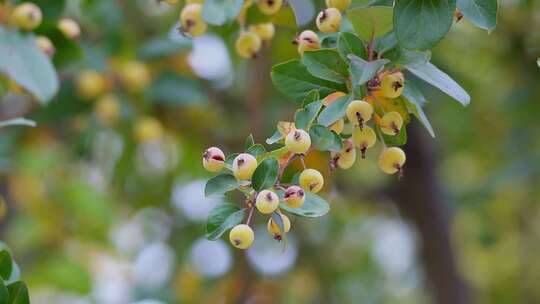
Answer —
482 13
285 17
312 96
420 24
18 293
314 206
414 100
163 47
220 12
250 141
17 122
323 139
293 79
266 174
256 150
385 43
174 90
362 71
371 21
277 136
229 159
223 217
279 221
403 56
397 140
325 64
437 78
6 265
22 61
304 117
4 293
220 184
334 111
349 43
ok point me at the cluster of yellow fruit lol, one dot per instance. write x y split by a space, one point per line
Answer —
27 16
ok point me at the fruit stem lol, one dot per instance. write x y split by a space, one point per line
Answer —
380 135
250 215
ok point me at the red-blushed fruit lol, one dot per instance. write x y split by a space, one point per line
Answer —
294 197
213 159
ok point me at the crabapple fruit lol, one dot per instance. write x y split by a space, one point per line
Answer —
213 159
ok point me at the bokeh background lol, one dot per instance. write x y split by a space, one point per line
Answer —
95 213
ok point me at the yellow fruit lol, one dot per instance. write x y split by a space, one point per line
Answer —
359 111
391 123
294 197
307 41
241 236
329 20
347 156
269 7
391 85
69 28
45 45
341 5
248 45
392 160
267 202
135 76
338 126
265 31
330 98
191 20
213 159
364 138
244 165
26 16
107 109
311 180
298 141
274 229
90 84
148 129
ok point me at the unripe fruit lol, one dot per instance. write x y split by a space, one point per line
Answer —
329 20
191 21
274 229
391 123
45 45
213 159
241 236
107 109
90 84
267 202
359 111
391 160
148 129
391 85
135 76
26 16
347 156
69 28
244 165
330 98
364 138
298 141
294 197
269 7
338 126
307 41
248 45
341 5
311 180
265 31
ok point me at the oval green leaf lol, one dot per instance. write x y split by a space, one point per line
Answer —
334 111
325 64
18 293
314 206
266 174
223 217
304 117
220 184
6 265
323 139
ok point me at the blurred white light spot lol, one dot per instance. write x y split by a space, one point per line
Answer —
148 302
211 258
190 200
156 158
268 256
154 265
394 246
111 280
210 58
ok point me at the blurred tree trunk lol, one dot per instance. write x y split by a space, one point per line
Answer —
258 91
421 199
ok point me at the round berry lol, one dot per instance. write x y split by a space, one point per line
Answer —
248 45
329 20
359 111
148 129
391 123
364 138
392 160
311 180
391 85
213 159
69 27
191 20
90 84
241 236
267 201
294 197
107 109
265 31
347 156
135 76
244 165
298 141
269 7
308 41
274 229
26 16
341 5
45 45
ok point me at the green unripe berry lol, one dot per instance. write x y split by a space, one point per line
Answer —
241 236
391 123
269 7
274 229
294 197
329 20
359 111
26 16
364 138
213 159
298 141
307 41
244 165
341 5
392 160
248 45
347 156
265 31
191 20
311 180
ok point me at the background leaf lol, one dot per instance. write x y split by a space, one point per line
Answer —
18 293
482 13
6 265
220 12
